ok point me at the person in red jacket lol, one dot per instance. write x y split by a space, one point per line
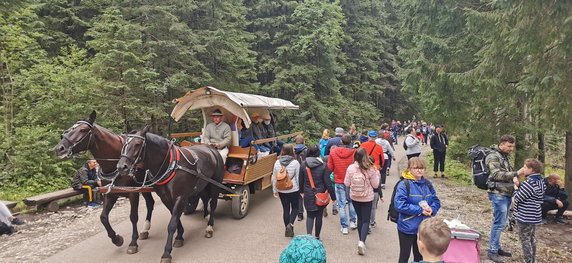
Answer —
340 158
376 152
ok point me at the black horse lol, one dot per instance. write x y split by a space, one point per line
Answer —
105 147
176 174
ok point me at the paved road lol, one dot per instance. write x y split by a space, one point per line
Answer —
259 237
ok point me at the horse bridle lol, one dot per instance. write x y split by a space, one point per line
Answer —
140 154
66 137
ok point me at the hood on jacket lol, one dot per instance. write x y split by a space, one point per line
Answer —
314 162
285 160
343 152
406 174
298 148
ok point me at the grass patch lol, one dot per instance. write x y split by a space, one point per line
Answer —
453 169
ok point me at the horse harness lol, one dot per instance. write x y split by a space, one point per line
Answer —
174 154
65 135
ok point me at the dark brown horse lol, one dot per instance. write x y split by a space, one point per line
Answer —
105 146
176 174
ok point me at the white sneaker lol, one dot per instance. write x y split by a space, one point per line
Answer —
361 248
353 225
345 231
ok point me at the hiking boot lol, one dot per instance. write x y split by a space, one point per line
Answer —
560 221
373 225
289 231
369 230
504 253
353 225
495 258
300 217
334 210
344 231
361 248
444 176
17 221
435 176
383 186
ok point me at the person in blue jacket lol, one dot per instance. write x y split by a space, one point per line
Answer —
415 200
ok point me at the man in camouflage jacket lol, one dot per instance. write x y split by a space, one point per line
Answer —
502 179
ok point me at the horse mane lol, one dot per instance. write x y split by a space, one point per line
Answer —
158 140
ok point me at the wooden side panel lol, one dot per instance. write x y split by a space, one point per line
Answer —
262 168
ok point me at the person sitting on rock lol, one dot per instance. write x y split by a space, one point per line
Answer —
555 197
86 178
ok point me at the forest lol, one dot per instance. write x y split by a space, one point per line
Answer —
481 67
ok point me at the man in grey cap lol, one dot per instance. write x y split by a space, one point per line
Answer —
337 141
217 134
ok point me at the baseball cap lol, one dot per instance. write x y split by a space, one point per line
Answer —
372 134
339 130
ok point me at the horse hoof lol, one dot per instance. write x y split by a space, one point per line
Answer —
209 232
118 240
177 243
166 260
143 235
132 250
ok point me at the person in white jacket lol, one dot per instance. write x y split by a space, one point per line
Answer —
413 144
288 198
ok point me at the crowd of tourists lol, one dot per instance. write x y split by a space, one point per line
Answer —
350 170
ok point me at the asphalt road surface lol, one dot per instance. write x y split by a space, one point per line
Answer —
259 237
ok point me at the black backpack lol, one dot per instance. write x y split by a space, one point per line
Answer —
481 172
392 214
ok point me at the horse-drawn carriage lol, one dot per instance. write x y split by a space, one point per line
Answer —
247 170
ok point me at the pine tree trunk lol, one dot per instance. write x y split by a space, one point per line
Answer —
541 148
568 165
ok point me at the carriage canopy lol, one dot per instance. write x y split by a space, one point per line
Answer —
239 104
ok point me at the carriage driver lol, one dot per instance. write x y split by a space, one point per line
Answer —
217 134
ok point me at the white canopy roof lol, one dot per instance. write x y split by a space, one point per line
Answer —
233 102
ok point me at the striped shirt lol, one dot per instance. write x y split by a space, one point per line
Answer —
528 200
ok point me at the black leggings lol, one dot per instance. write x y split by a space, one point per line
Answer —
383 171
409 156
317 215
363 213
438 160
289 207
406 241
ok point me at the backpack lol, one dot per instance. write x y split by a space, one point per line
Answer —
283 181
480 171
404 141
358 185
392 214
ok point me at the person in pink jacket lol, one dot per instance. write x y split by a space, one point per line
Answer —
362 178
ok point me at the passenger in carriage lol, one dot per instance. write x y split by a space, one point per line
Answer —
217 134
269 125
257 131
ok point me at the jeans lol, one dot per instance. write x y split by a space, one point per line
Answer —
343 196
374 207
500 204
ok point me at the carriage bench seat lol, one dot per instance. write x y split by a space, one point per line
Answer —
51 199
240 153
9 204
